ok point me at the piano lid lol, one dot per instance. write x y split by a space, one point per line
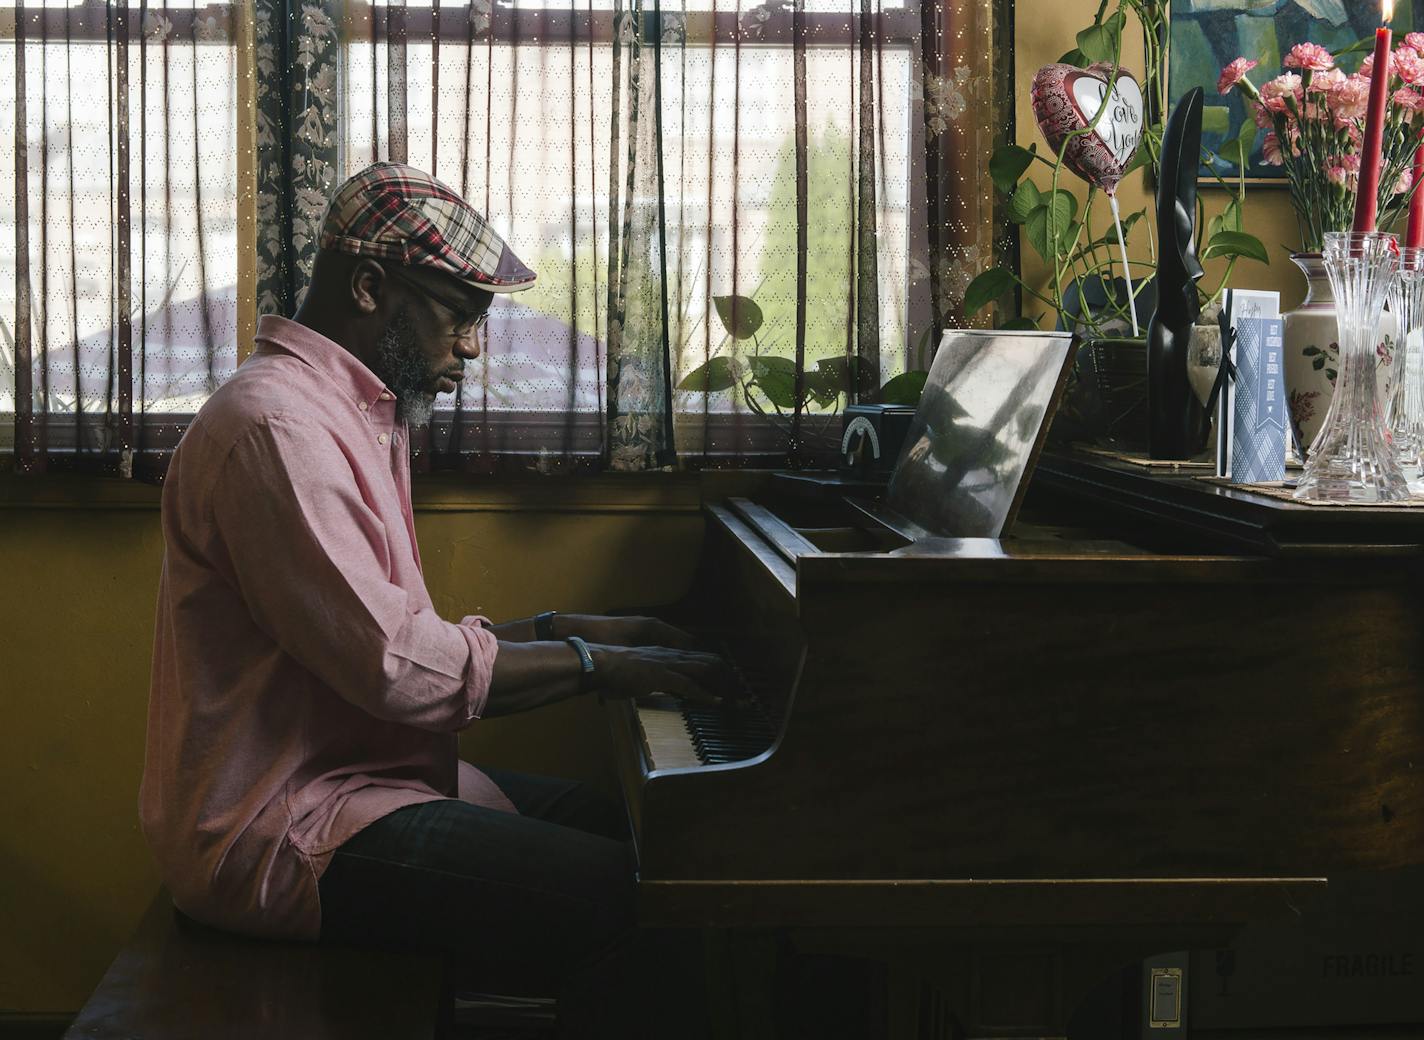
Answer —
971 448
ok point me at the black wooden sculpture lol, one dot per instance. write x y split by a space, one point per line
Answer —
1178 424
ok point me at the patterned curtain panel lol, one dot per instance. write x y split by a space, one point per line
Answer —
742 217
804 197
118 282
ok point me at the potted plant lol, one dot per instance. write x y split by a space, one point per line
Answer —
1093 289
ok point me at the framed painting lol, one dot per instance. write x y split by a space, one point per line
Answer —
1207 34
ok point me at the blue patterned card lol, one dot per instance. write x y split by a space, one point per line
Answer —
1258 407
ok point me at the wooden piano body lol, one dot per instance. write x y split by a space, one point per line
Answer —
1166 734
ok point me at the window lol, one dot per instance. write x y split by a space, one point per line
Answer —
153 111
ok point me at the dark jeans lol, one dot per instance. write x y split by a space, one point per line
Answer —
535 904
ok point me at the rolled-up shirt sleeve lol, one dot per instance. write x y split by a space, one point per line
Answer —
311 560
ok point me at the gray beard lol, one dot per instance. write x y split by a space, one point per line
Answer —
399 364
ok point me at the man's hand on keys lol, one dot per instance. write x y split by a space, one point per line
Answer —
633 671
629 631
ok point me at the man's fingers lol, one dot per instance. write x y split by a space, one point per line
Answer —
714 675
689 690
660 633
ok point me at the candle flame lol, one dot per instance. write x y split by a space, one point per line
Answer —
1387 11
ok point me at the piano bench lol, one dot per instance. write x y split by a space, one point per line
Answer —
179 979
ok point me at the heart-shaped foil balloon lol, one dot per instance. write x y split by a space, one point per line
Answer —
1067 98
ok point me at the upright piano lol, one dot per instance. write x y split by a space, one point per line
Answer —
1155 709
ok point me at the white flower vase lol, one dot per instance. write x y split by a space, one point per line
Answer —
1312 352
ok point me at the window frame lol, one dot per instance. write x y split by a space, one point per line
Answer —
379 23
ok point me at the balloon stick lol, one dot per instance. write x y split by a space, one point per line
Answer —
1126 271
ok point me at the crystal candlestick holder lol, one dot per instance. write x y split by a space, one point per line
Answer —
1404 413
1352 459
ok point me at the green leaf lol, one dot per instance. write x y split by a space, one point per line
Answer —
904 388
709 378
987 288
1007 165
747 319
1235 243
1050 225
1036 228
1109 235
776 378
1075 57
1017 324
1103 41
1128 222
830 378
1228 219
1023 201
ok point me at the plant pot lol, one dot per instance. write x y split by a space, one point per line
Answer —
1312 352
1105 402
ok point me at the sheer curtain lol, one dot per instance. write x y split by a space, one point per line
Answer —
804 196
743 217
811 175
118 301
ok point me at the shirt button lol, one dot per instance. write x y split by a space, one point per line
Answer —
363 406
381 439
385 397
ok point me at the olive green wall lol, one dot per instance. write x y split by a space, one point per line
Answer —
1044 31
80 560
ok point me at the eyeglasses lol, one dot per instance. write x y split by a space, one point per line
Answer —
464 325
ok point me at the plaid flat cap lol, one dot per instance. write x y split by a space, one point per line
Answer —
396 212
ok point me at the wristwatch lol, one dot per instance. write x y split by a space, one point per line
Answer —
544 625
586 680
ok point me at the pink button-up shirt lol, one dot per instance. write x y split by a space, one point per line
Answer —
303 685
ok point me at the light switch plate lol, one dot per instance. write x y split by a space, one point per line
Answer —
1164 1003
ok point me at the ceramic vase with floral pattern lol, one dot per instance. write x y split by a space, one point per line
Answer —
1312 351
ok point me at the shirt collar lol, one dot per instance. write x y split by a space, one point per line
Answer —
326 356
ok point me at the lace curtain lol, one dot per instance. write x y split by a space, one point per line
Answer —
118 280
742 217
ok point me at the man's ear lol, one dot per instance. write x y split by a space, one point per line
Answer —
369 285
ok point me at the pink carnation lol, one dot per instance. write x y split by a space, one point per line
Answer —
1416 41
1271 150
1343 170
1367 67
1409 98
1285 84
1309 56
1327 82
1234 73
1405 182
1350 100
1409 65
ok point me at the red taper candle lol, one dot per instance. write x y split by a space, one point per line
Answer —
1414 235
1367 196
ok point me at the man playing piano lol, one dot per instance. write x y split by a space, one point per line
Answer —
302 778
